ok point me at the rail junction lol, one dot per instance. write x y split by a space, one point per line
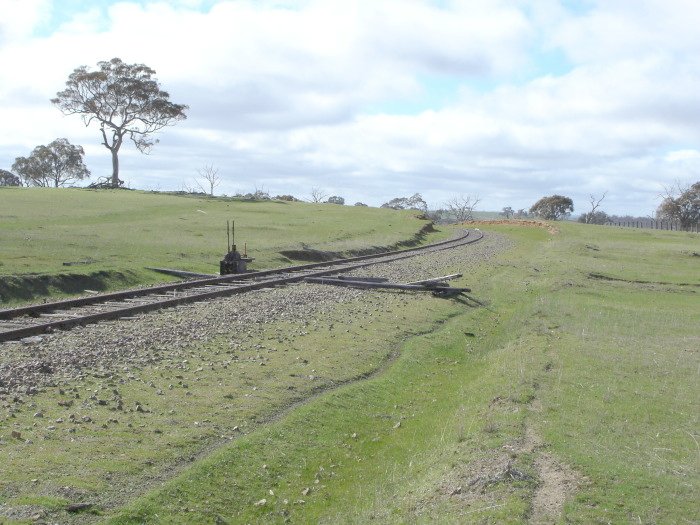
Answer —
33 320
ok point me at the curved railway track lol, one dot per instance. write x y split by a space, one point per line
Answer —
26 321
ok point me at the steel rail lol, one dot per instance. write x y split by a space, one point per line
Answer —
217 287
35 309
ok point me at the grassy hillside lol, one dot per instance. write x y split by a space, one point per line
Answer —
577 385
104 239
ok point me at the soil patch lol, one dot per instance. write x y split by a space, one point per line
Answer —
308 254
557 483
603 277
31 287
516 222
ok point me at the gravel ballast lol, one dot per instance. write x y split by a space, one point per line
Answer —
116 348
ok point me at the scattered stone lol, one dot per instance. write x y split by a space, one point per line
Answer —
306 491
16 434
261 503
39 414
77 507
398 424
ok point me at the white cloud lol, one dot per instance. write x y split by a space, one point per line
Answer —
291 95
683 155
19 18
628 29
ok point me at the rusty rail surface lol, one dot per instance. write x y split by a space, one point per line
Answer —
26 321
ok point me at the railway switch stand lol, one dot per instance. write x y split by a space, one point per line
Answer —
234 262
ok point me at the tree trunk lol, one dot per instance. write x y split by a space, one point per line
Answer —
115 168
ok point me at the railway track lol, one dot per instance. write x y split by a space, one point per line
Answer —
32 320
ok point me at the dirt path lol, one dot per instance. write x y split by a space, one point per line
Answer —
558 482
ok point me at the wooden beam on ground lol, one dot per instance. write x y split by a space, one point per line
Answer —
438 279
181 273
363 279
391 286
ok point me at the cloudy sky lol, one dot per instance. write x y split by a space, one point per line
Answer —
374 99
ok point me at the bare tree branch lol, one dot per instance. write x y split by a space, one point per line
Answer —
595 204
318 195
210 175
462 207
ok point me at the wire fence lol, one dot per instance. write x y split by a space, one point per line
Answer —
657 225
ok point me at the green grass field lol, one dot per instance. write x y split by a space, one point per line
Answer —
581 374
604 372
56 241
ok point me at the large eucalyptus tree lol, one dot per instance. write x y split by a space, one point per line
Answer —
125 100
